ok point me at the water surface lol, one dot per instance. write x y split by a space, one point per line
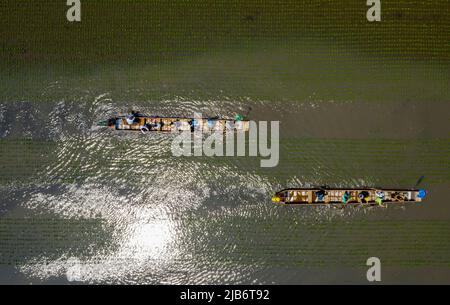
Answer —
84 204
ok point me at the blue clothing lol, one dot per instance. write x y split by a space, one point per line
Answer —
422 194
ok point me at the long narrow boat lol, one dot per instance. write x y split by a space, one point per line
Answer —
146 123
352 196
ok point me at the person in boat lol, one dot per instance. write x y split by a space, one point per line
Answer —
320 195
118 122
346 197
130 119
195 124
111 122
238 118
364 196
422 193
211 123
379 197
153 126
177 124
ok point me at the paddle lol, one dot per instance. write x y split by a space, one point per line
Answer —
422 193
419 181
248 112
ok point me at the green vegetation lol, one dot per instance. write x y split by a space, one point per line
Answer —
22 159
265 241
23 239
154 30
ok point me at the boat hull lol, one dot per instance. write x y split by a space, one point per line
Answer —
176 124
358 196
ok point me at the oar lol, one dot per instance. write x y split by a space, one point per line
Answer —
419 181
422 193
248 111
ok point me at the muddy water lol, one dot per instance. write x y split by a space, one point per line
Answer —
83 204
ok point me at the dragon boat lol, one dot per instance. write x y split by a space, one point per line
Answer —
147 123
351 196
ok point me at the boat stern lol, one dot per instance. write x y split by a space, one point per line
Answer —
276 199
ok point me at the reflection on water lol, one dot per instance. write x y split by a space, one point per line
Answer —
201 220
143 235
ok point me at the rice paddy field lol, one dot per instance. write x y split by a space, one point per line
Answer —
359 104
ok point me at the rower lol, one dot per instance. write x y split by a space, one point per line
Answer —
110 123
346 197
153 126
117 123
194 124
379 197
320 195
364 196
130 119
177 124
421 194
211 123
